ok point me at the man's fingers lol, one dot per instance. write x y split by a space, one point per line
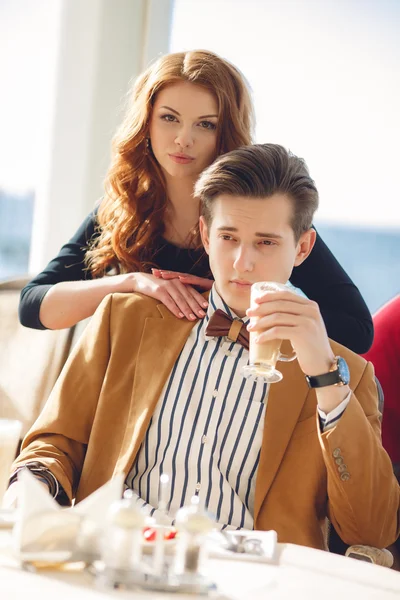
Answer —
283 295
274 320
295 306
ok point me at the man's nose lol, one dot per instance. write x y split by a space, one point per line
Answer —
244 260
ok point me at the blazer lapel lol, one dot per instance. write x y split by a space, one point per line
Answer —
162 340
285 403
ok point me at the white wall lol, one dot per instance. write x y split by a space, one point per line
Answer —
100 47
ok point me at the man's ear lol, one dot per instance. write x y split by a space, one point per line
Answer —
304 246
204 234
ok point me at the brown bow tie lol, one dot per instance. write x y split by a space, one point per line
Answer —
222 324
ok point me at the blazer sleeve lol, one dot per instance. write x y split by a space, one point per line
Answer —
59 437
363 494
346 316
68 265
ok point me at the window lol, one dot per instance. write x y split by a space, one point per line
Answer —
325 83
27 31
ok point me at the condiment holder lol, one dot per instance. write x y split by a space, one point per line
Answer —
126 566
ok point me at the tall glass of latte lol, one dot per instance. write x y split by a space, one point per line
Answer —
10 432
263 357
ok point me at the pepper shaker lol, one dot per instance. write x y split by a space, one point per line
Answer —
122 545
193 525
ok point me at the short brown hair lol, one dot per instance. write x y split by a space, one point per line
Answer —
259 171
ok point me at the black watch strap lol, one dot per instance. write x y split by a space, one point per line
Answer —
318 381
339 374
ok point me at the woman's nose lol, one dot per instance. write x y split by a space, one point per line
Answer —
184 137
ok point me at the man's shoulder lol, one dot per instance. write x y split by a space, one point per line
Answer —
135 302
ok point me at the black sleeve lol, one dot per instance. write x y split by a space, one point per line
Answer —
346 316
68 265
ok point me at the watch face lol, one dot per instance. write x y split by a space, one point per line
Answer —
343 369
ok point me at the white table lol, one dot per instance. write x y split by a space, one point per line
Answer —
302 574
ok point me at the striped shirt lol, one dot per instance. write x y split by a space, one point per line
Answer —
206 431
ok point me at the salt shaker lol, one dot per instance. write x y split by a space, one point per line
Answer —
193 525
122 546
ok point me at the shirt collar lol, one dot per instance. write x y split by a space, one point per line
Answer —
215 302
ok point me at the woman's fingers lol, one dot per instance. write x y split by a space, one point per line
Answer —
194 280
185 278
187 303
182 300
161 274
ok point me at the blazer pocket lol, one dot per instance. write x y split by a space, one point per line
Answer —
305 427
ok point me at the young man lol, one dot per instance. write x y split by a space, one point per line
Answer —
146 393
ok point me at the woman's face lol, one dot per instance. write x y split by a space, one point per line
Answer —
183 129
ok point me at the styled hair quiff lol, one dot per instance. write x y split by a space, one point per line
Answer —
259 171
131 214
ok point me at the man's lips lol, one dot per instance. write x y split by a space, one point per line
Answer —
181 158
242 283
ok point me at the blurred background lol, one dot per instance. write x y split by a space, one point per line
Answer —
325 81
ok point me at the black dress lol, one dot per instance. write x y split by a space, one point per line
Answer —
346 316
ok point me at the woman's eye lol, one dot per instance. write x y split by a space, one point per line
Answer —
208 125
168 118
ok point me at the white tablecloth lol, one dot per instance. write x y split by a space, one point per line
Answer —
302 574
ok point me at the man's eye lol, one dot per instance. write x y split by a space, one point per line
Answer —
168 118
208 125
226 237
267 243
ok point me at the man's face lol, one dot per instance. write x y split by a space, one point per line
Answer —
251 240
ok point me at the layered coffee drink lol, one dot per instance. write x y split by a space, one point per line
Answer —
10 432
264 356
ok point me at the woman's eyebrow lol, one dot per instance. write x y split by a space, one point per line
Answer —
177 113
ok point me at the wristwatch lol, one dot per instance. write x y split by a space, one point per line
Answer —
339 374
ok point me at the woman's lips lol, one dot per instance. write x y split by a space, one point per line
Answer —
181 159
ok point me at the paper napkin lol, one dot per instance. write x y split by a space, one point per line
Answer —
44 528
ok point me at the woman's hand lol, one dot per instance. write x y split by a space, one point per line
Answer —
179 297
185 278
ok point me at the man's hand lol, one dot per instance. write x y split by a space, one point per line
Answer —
287 316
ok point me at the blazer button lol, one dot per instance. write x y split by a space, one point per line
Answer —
345 476
342 468
339 460
336 452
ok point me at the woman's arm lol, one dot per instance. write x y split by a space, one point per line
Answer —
64 293
346 316
67 266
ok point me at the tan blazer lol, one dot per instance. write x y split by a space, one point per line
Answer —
100 408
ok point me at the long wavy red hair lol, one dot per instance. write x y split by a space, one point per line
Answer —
131 214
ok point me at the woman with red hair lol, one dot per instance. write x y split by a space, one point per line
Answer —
185 110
